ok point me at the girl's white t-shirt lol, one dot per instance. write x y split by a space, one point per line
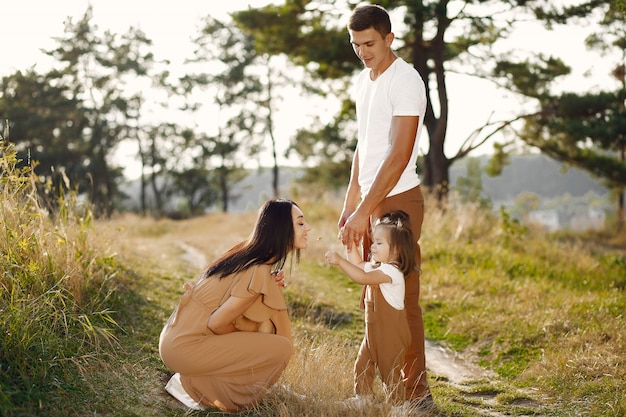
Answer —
392 291
399 91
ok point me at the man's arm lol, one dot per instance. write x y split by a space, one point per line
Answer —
403 131
353 193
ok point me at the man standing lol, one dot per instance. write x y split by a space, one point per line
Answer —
390 105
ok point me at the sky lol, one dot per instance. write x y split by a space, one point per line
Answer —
27 26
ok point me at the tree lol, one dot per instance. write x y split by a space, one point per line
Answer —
196 183
584 130
72 118
470 188
277 31
525 203
440 37
268 105
163 143
237 93
328 149
46 123
95 68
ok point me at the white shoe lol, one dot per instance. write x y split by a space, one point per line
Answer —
423 408
358 402
175 388
292 393
402 410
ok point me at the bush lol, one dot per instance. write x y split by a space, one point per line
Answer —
54 290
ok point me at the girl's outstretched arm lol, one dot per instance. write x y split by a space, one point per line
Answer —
354 256
356 273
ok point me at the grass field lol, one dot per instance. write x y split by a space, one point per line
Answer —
83 302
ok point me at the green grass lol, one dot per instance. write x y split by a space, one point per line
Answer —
55 295
83 303
546 314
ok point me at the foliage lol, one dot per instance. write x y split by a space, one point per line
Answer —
306 31
237 97
55 301
586 130
470 188
438 37
328 149
50 137
72 118
106 72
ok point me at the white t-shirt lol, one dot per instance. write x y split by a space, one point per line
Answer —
399 91
392 291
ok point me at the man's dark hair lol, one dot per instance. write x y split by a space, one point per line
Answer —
370 16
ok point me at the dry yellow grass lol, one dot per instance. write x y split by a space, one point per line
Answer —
503 295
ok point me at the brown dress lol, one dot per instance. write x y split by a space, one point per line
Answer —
231 371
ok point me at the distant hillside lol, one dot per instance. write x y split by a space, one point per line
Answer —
257 187
528 173
247 195
536 174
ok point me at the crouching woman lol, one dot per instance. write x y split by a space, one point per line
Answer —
229 339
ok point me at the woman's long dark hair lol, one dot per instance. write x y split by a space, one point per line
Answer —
271 241
402 245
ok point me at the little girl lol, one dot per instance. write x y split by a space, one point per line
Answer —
387 335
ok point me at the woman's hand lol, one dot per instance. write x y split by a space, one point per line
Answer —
267 327
279 278
244 324
222 320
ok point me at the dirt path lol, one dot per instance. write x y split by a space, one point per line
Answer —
446 363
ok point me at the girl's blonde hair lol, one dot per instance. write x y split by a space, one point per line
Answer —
402 245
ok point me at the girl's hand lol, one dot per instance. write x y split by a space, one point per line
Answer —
279 278
332 257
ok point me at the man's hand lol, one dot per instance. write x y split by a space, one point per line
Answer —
355 228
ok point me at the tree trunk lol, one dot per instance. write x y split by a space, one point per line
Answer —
436 177
619 215
224 188
270 129
275 159
428 59
157 195
142 192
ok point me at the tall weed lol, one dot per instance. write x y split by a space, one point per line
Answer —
54 290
